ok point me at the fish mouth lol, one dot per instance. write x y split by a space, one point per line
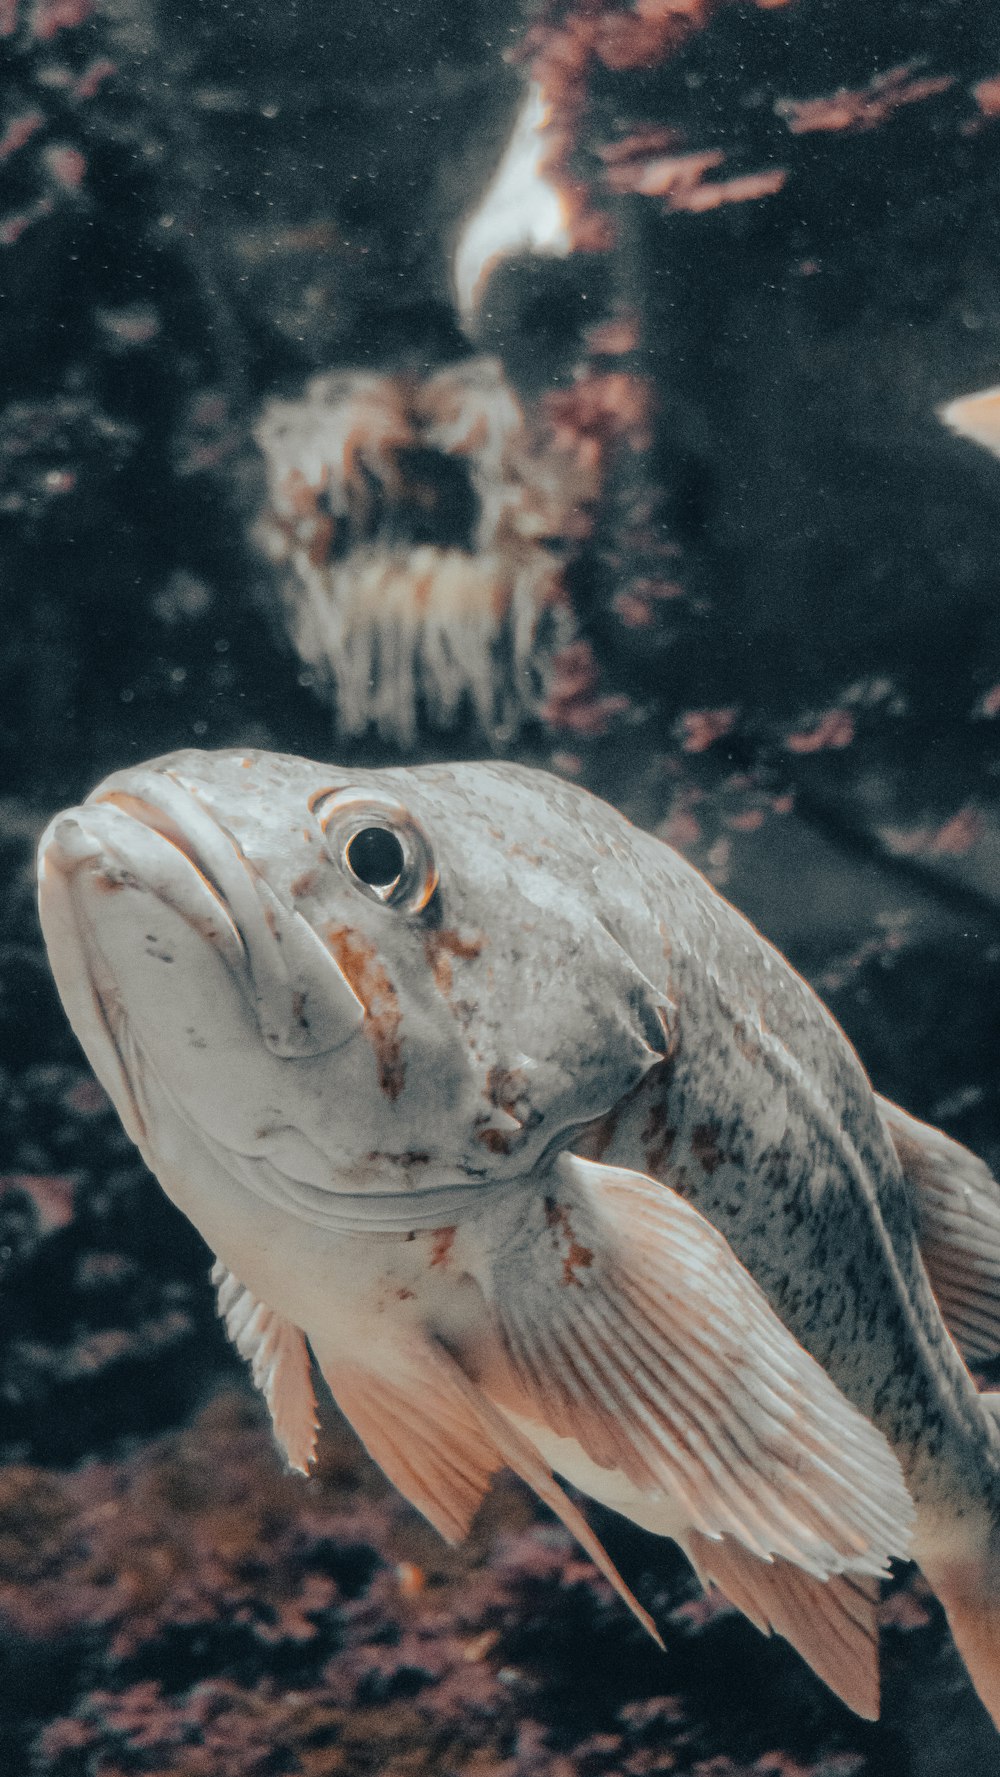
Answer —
209 861
150 830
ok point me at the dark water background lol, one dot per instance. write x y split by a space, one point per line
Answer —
201 205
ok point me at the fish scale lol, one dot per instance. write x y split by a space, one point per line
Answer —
553 1163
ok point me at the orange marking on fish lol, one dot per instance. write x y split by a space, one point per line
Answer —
507 1088
576 1257
305 884
444 1240
497 1141
441 948
365 973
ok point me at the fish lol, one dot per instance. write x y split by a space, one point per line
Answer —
496 1114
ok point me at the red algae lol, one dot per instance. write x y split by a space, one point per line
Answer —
863 108
987 95
212 1616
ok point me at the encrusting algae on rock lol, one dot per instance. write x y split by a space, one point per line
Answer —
486 1098
422 528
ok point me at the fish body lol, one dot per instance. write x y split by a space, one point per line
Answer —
490 1100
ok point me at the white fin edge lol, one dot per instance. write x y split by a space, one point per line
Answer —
279 1364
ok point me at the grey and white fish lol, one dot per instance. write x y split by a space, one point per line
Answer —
488 1099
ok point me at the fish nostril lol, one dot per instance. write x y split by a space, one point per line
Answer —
68 844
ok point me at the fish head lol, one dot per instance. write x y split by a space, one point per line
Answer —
367 981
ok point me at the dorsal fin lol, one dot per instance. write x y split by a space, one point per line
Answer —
279 1364
957 1202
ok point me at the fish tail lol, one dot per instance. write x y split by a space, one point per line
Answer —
969 1590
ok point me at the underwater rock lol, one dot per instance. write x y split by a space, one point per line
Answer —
190 1611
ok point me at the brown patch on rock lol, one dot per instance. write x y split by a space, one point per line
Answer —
651 139
50 1194
862 108
575 1257
321 541
680 180
987 95
364 972
705 1147
441 948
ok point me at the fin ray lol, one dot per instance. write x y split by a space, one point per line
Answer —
455 1442
279 1364
831 1623
627 1324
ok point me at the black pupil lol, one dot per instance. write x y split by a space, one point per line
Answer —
376 857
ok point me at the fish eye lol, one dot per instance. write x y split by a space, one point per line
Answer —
379 846
376 857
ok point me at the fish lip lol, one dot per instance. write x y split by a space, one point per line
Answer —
64 847
165 802
69 844
146 813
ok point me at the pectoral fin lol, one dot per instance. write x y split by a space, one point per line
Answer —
440 1441
957 1202
279 1364
626 1323
422 1433
832 1623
